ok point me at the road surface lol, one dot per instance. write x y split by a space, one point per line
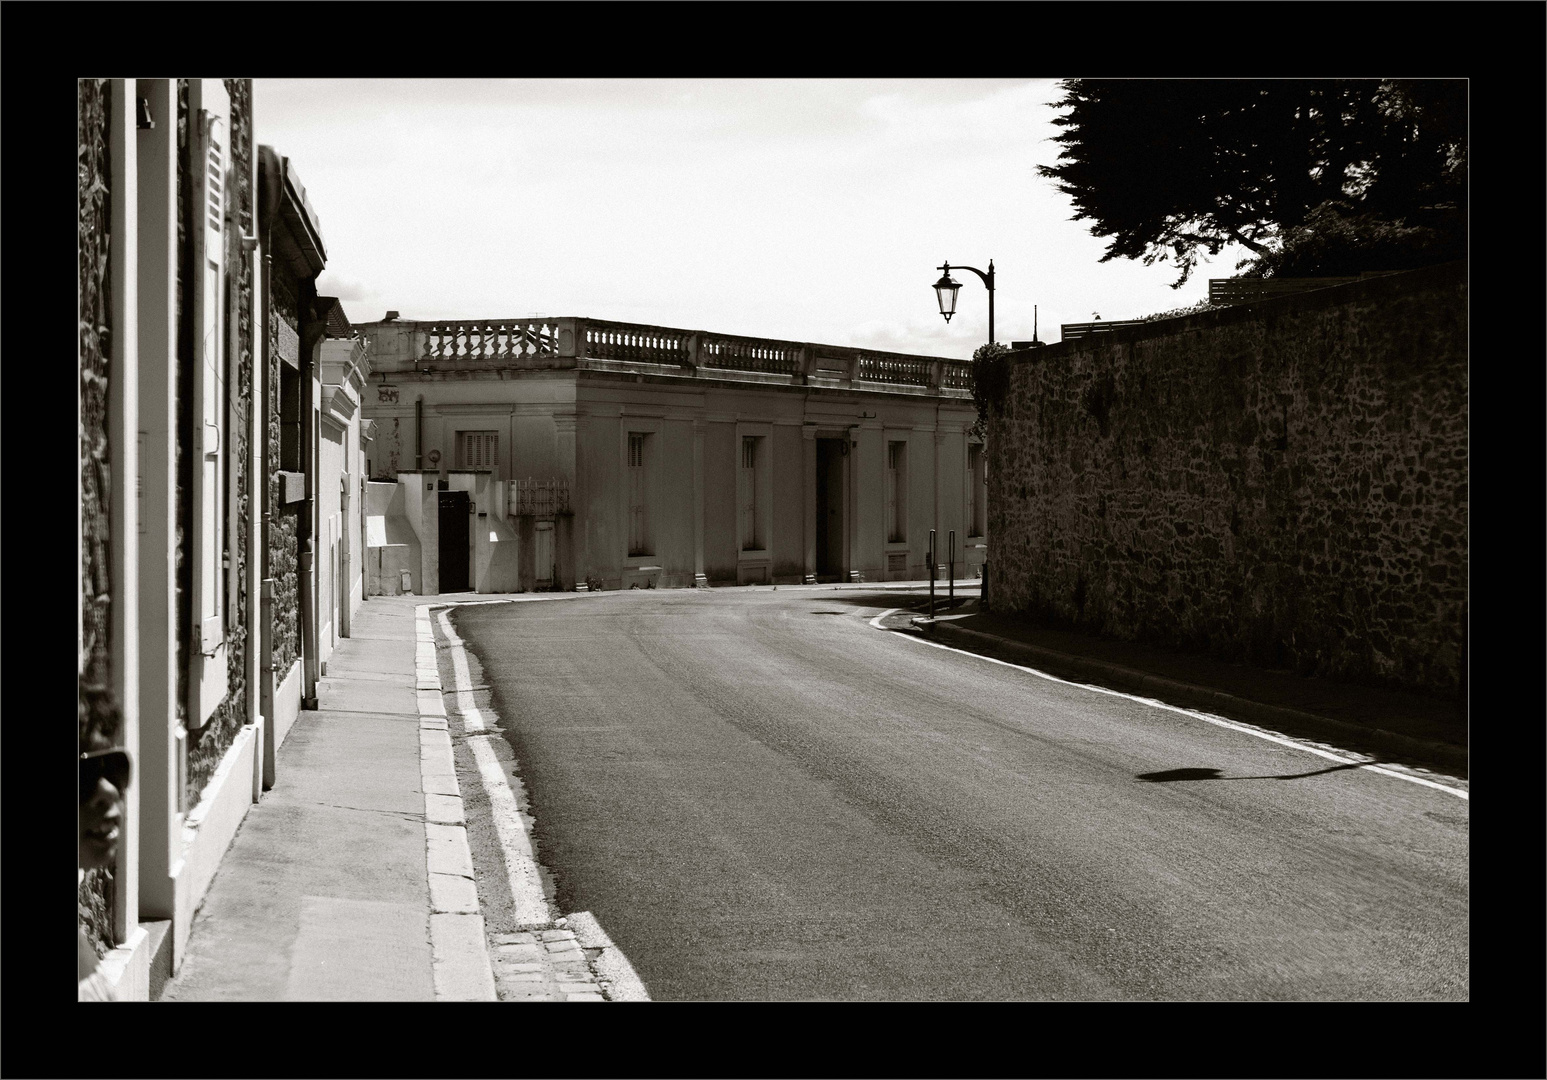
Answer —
762 796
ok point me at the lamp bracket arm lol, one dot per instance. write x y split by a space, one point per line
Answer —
987 278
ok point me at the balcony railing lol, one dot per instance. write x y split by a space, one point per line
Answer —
539 498
497 340
640 344
568 342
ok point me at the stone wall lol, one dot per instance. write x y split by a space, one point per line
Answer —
284 519
95 341
1283 483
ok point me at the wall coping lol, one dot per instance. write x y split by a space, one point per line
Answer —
1375 288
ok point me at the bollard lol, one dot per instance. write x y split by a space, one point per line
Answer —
931 573
950 564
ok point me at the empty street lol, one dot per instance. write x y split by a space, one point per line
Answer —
762 796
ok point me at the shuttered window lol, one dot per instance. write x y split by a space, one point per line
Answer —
751 525
896 492
210 112
480 449
638 491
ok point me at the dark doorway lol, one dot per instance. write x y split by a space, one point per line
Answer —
453 541
829 508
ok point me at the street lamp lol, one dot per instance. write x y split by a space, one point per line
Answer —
947 287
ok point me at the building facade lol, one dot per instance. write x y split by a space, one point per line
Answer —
202 614
574 453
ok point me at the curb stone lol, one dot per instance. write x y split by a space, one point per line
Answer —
459 959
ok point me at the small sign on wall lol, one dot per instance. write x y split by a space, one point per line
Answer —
287 343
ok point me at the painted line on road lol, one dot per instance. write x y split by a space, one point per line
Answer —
1215 720
530 903
526 890
472 718
623 982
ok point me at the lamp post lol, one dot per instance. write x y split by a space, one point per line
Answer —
946 289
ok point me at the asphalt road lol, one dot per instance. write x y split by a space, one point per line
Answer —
760 796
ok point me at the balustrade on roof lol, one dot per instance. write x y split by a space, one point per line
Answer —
543 341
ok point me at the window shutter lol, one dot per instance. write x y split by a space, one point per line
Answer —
638 487
749 539
210 151
896 492
480 449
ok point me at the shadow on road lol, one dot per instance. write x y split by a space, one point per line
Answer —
1171 775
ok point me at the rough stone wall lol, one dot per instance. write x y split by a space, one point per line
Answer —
1284 483
94 178
285 520
208 745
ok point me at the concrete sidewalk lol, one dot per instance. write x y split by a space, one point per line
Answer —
325 894
1425 732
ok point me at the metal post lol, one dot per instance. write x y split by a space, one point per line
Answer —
931 573
950 555
991 300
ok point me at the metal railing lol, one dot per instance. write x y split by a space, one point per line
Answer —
539 498
1071 330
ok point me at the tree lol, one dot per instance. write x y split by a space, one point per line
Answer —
1311 176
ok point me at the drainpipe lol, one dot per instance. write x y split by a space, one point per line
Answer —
419 433
311 334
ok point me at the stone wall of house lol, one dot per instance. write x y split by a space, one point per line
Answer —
95 337
284 519
1283 483
208 744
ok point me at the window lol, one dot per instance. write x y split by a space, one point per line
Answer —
977 496
479 449
751 524
896 492
210 109
638 492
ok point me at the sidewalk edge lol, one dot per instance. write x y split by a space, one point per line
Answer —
459 957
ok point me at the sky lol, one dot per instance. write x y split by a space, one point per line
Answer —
802 209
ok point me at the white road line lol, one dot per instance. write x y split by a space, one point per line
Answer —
624 983
1215 720
526 887
472 718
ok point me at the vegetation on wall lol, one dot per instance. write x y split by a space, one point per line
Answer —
1314 177
990 381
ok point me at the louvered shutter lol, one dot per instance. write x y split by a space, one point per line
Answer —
209 109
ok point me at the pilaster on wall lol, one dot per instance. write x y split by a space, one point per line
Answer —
158 776
867 500
699 578
123 438
808 514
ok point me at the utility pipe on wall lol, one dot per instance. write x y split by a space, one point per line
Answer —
311 334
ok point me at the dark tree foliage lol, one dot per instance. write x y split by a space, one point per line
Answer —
1312 176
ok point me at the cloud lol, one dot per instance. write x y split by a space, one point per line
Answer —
920 337
344 286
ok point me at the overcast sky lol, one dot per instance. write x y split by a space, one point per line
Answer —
811 210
